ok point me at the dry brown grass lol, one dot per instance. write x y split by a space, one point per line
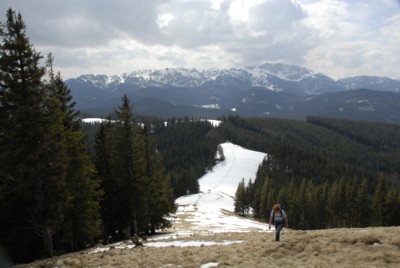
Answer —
370 247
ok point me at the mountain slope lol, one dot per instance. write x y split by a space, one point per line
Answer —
278 90
203 235
362 104
370 82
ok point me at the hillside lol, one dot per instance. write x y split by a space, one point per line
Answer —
370 247
206 234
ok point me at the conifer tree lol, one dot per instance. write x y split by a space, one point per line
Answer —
322 205
82 219
33 151
266 198
137 192
128 168
362 205
241 204
104 166
158 188
378 201
46 173
301 205
392 208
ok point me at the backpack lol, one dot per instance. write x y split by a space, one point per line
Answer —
273 213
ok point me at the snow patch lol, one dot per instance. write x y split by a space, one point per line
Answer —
93 120
211 106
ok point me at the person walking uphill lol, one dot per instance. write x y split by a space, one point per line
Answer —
279 217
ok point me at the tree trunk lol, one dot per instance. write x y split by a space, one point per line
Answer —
127 231
135 228
47 240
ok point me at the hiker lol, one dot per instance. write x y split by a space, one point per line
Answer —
279 217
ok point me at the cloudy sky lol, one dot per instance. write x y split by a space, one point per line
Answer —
337 38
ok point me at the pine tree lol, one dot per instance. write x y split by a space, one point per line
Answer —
378 202
129 166
158 189
266 198
58 89
47 177
33 153
362 205
104 165
322 205
392 208
82 219
241 204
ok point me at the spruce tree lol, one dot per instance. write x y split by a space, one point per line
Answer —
103 161
47 178
266 198
378 201
362 205
392 207
241 204
128 169
33 153
158 187
82 219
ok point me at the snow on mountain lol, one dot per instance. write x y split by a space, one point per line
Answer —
256 76
276 77
281 70
178 77
370 82
211 210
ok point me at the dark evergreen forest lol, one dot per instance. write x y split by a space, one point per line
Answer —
326 172
55 195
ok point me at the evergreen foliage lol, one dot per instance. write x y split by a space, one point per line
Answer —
327 172
48 188
137 192
188 148
241 203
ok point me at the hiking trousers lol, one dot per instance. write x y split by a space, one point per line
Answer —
278 228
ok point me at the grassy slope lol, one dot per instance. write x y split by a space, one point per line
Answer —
371 247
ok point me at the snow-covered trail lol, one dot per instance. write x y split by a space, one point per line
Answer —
211 210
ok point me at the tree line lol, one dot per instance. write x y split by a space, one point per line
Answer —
314 151
53 192
326 172
344 202
187 145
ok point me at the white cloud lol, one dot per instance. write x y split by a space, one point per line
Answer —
353 39
338 38
164 19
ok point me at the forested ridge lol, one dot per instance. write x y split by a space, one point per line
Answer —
326 172
188 147
320 148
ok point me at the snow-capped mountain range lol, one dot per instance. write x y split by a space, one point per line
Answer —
266 76
270 89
